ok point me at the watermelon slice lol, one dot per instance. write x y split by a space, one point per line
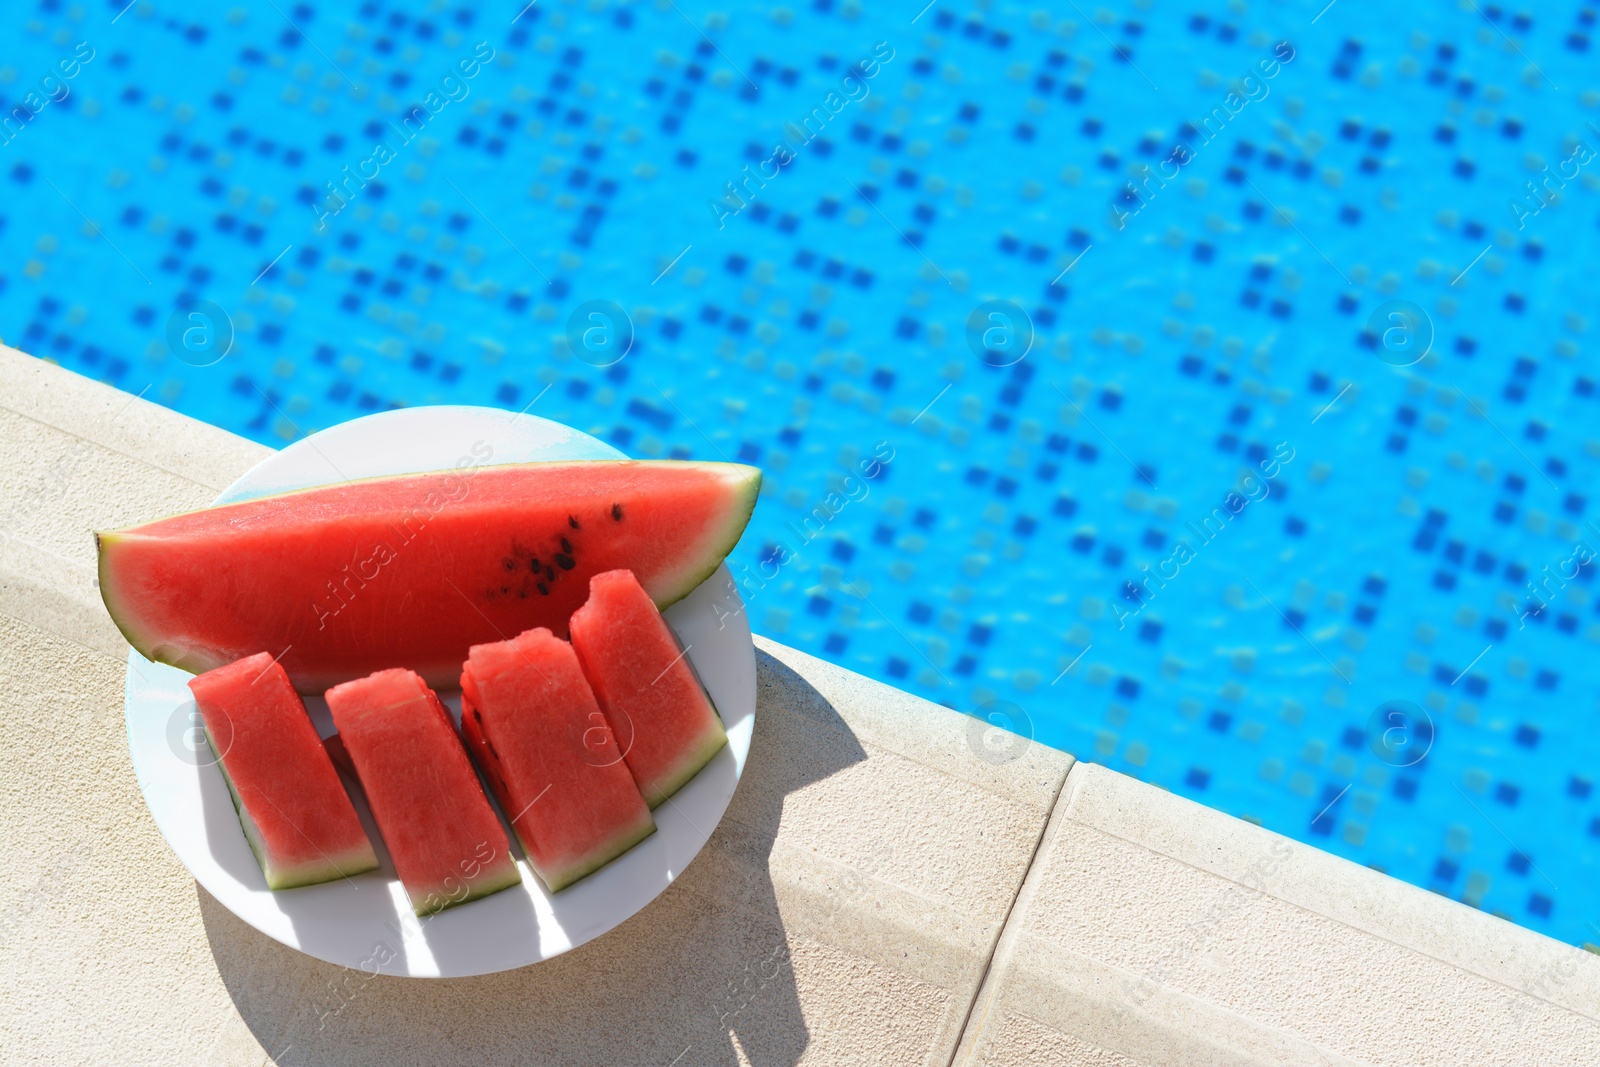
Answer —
294 810
446 842
412 571
658 710
533 724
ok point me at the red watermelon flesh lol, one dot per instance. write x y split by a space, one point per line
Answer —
412 571
293 807
660 713
446 842
532 722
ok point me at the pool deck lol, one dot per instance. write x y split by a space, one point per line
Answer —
883 889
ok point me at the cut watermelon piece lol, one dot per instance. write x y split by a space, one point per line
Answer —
532 722
412 571
660 713
446 842
294 810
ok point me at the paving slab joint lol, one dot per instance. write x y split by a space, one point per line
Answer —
989 985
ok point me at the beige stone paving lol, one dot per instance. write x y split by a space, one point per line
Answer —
1154 932
845 911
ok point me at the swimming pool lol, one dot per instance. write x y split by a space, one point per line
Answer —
1202 390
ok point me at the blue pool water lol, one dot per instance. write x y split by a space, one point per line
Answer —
1332 294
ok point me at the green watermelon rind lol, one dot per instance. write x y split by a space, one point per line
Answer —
483 887
357 862
744 480
714 740
556 881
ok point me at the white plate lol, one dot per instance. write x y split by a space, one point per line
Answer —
366 921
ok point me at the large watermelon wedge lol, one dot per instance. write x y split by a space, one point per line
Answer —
411 571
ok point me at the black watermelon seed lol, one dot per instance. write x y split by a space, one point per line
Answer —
616 512
544 590
509 564
549 572
534 566
564 561
572 522
477 716
505 589
566 546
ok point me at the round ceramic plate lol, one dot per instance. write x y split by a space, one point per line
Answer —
366 921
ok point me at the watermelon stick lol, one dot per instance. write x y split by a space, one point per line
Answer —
446 842
662 717
532 723
295 812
